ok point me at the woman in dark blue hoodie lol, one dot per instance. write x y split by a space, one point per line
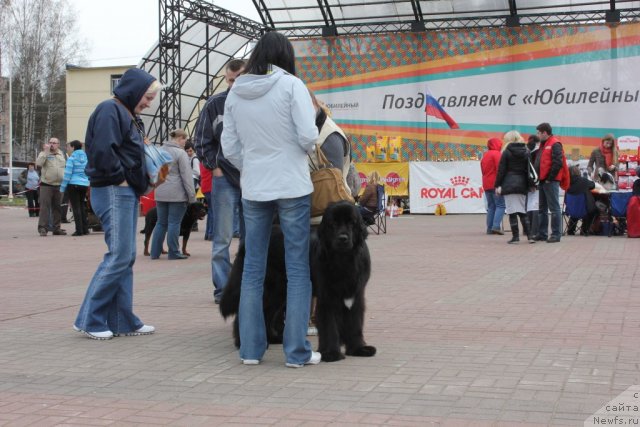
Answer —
117 174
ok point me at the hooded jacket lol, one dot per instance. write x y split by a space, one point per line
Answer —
178 186
74 171
513 169
489 163
269 127
114 142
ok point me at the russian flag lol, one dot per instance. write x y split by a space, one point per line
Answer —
434 109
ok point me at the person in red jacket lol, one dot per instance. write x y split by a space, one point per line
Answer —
553 172
495 202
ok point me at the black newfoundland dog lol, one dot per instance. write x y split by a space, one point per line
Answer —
340 269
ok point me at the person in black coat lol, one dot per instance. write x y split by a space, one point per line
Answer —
581 185
512 181
533 144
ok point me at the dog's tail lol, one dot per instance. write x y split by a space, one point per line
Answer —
230 301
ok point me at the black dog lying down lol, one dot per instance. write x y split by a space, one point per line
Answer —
195 211
340 268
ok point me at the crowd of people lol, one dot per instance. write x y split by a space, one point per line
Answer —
253 169
524 180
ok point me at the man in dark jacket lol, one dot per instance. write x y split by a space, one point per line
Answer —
552 170
225 192
580 185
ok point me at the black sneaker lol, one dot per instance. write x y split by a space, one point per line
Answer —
42 232
59 232
553 239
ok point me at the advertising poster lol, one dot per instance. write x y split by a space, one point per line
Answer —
456 185
394 175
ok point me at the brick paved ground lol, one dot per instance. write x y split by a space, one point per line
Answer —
469 330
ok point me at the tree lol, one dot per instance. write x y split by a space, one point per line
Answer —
41 45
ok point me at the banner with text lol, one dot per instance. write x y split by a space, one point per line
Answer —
395 176
457 185
581 79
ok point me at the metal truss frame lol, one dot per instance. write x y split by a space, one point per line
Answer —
178 16
171 68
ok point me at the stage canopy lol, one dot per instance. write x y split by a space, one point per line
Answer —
197 38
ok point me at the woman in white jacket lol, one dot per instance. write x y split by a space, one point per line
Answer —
269 127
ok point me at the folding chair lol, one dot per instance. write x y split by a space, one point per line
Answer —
575 208
379 217
619 202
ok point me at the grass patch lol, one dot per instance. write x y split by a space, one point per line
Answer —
19 201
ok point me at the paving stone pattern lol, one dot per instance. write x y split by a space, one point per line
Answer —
469 330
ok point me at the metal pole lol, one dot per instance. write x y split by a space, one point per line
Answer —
426 137
10 115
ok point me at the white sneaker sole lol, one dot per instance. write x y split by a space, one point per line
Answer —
92 336
136 333
314 360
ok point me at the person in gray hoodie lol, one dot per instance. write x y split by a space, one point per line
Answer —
172 197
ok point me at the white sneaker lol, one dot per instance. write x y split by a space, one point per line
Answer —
312 331
105 335
143 330
314 360
250 361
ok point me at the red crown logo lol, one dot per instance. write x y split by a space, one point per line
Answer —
460 180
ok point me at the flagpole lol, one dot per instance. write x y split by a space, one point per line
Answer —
426 137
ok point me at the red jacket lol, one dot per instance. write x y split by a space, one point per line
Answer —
547 164
489 163
205 179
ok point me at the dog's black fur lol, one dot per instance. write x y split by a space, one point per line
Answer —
340 269
195 211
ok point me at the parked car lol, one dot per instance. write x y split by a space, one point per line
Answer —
18 184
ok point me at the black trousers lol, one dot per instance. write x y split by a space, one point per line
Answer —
33 206
77 198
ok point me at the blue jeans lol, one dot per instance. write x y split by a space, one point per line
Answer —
169 219
550 201
224 197
236 221
108 303
495 210
295 222
208 230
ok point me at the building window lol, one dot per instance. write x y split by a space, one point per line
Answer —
115 79
2 128
1 102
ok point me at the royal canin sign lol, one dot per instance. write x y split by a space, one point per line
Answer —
459 189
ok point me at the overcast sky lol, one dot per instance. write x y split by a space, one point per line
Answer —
121 32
